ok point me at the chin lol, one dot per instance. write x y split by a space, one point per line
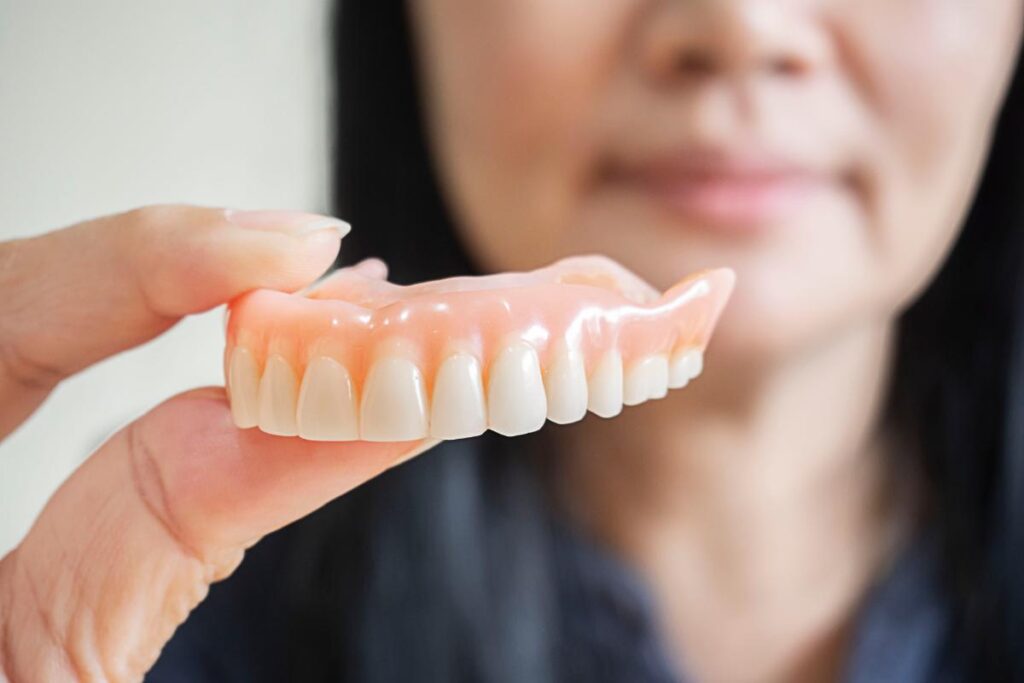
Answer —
749 336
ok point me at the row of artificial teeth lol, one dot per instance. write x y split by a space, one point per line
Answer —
518 398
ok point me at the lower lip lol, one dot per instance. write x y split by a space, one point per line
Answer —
732 202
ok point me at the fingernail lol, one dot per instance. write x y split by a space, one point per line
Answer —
292 222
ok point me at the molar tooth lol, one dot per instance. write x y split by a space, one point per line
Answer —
646 379
457 406
566 385
394 402
515 391
678 370
696 363
605 386
686 364
277 398
657 376
327 403
244 387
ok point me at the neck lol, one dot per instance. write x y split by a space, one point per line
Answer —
753 502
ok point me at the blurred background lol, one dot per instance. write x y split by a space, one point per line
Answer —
221 103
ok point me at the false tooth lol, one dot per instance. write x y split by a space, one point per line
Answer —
696 363
394 402
457 406
657 376
605 386
566 385
515 391
678 370
646 379
277 398
327 403
244 388
686 364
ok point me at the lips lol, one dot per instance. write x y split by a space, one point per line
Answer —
736 192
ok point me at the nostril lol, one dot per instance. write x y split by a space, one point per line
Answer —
788 66
695 63
699 64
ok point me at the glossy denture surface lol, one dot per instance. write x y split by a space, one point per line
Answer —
356 357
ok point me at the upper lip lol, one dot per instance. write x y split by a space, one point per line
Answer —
711 163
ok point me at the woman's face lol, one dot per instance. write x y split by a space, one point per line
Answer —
825 149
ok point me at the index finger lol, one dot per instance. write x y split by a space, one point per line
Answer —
75 296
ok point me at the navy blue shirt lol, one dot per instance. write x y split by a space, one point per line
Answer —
903 633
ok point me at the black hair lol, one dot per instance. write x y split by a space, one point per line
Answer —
958 393
435 571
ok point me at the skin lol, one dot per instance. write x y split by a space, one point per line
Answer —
754 502
130 543
760 507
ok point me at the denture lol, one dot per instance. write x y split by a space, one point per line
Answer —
357 357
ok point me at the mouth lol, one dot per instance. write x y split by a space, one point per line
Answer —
742 192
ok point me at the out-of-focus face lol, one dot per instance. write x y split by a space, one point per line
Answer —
825 149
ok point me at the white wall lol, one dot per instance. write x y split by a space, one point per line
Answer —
110 104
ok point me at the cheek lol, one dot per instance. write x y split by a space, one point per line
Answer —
932 73
512 85
515 92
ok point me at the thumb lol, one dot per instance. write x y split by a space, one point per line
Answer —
129 545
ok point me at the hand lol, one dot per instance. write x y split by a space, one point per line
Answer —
130 543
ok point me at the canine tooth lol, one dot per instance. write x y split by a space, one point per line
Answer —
605 386
244 387
394 402
457 406
277 398
327 403
515 391
686 364
566 385
646 379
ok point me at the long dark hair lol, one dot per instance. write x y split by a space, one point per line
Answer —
958 394
435 571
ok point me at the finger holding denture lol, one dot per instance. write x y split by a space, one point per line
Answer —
357 357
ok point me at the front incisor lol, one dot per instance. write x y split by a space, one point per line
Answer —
457 406
515 391
394 404
327 402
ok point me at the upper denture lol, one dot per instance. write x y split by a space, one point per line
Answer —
356 354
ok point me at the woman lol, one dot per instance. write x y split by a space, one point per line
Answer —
838 497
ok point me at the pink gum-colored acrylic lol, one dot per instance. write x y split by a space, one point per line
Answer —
590 303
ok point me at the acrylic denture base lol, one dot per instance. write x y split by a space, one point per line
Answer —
360 358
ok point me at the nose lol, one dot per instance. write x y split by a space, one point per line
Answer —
687 39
